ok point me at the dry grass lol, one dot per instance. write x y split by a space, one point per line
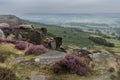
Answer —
10 47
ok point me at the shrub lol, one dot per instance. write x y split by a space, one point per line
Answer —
7 74
2 58
11 41
8 41
70 64
21 45
111 69
36 50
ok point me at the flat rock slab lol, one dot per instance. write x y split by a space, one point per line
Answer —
47 58
17 60
104 76
40 77
50 57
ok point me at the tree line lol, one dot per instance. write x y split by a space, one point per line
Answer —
101 41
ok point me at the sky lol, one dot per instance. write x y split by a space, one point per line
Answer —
59 6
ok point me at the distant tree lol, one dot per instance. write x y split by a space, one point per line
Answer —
119 38
64 35
90 29
101 41
113 34
64 32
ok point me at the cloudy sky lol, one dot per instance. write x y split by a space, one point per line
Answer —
59 6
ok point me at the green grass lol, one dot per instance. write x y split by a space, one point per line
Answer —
7 52
115 41
115 49
70 36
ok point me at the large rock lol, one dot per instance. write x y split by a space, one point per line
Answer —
2 35
44 31
58 41
26 26
25 31
10 19
53 44
103 61
50 57
36 37
39 77
81 52
50 43
31 34
2 25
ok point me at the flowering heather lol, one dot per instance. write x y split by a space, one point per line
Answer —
21 45
36 50
7 31
8 41
70 64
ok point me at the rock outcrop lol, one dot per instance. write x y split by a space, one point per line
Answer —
10 19
50 57
103 61
58 41
98 60
2 35
10 24
33 35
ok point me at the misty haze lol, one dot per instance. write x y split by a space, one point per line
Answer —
59 40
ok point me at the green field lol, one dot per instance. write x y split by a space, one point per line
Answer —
77 37
72 36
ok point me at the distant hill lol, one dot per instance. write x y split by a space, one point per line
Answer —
10 19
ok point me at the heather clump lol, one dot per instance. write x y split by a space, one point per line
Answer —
36 50
8 41
70 64
21 45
